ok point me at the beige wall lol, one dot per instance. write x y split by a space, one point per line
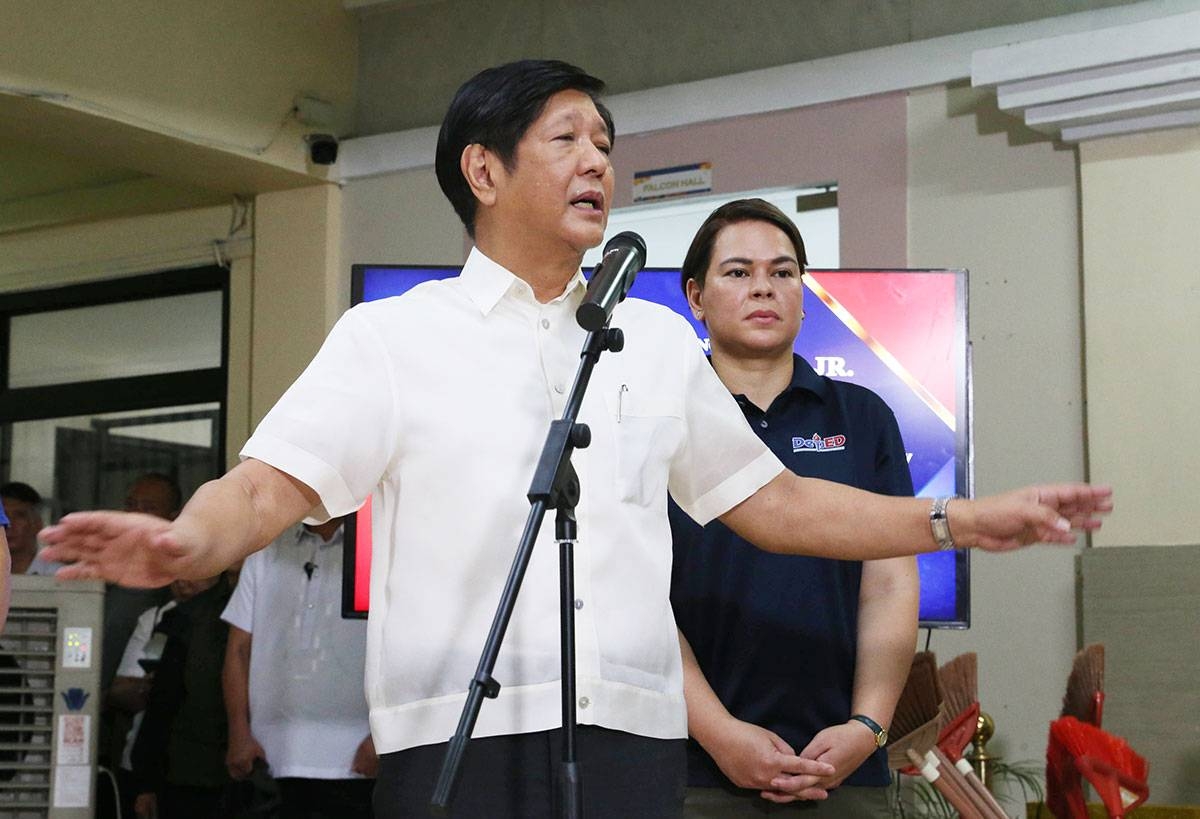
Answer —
978 198
238 391
400 218
305 243
297 262
1141 243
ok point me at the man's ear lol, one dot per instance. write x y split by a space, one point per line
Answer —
477 165
694 297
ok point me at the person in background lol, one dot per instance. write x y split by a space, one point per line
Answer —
24 507
178 755
131 686
156 494
293 678
786 656
152 493
436 404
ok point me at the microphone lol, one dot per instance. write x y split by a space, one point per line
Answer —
309 568
624 256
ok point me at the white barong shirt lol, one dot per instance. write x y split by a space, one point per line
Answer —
437 402
307 709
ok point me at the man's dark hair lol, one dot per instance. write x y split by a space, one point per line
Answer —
21 492
699 255
494 109
172 486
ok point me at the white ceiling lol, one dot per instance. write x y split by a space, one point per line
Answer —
1123 79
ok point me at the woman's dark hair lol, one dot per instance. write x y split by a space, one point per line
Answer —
699 255
494 109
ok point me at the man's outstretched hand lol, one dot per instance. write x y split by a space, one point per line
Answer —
127 548
225 521
1051 513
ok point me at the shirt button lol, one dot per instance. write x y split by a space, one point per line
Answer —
558 388
584 702
578 604
763 423
545 324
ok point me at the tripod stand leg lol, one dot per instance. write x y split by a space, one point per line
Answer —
570 783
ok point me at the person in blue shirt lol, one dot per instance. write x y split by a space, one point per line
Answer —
5 568
786 657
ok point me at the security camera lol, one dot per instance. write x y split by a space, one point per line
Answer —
322 148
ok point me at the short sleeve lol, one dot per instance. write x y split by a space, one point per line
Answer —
334 428
721 462
239 611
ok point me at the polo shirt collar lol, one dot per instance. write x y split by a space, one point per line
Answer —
804 377
486 282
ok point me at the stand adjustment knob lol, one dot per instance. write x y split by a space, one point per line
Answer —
614 339
581 436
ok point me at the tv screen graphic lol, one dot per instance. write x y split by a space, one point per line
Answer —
900 333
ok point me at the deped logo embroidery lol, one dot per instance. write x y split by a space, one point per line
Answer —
819 443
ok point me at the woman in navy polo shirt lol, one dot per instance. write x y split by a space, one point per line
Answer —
786 656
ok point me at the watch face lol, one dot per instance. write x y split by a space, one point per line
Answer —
881 738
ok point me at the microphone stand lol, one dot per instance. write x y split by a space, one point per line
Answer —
555 486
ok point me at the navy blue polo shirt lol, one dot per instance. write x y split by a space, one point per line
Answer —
776 635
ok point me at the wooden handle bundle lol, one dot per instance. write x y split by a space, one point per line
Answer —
962 790
961 773
957 799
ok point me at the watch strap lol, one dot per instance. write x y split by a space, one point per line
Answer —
878 730
939 524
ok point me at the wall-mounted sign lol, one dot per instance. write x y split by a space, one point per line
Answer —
665 183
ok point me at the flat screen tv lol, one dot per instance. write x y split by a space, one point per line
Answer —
901 333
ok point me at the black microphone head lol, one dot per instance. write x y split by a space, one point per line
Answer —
624 255
627 238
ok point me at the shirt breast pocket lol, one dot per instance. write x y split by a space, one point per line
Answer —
647 432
